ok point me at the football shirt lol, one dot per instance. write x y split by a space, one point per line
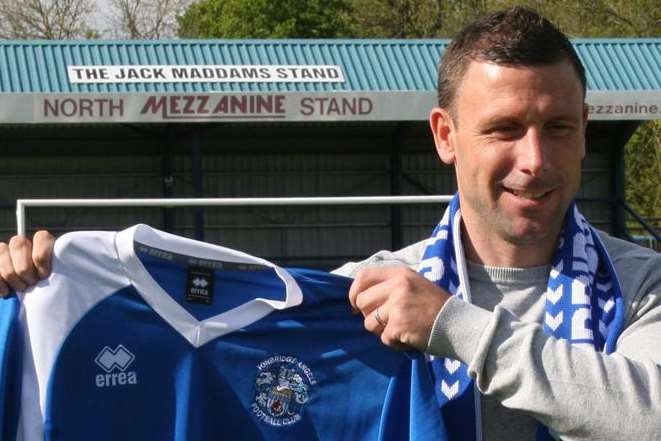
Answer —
143 335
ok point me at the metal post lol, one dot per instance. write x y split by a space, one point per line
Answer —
20 218
21 204
619 220
396 234
168 178
198 185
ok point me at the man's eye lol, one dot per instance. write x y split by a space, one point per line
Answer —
559 129
504 131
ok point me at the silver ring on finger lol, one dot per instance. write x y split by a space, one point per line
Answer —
378 318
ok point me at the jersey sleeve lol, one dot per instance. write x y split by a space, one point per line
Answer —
10 367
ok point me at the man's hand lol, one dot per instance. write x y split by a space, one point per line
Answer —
23 263
398 304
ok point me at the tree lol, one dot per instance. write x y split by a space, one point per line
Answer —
266 19
396 19
412 18
600 18
145 19
76 19
45 19
327 19
643 171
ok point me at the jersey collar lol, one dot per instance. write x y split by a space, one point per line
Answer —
197 332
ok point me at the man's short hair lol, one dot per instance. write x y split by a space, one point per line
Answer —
513 37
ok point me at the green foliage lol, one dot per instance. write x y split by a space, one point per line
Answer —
405 18
266 19
395 19
438 18
412 18
598 18
643 170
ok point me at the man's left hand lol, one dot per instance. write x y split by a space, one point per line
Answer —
399 305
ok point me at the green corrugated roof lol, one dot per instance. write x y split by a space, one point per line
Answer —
368 65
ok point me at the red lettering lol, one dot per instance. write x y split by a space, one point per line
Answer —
188 104
365 106
202 104
154 105
173 108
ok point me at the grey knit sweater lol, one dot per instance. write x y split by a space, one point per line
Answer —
525 376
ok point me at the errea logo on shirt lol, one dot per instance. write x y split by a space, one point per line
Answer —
115 363
199 282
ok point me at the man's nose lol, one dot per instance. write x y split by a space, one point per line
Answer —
531 152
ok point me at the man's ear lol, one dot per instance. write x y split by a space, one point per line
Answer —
444 132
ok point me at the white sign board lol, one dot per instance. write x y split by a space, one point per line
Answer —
624 105
207 107
214 73
74 108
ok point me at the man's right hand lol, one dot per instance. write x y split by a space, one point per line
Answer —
24 262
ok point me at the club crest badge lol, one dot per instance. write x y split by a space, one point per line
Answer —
282 388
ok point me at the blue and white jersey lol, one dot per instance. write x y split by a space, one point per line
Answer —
142 335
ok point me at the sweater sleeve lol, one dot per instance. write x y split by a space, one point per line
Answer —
576 391
409 256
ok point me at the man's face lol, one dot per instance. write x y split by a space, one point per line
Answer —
516 138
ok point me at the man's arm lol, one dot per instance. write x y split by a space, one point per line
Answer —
578 392
23 262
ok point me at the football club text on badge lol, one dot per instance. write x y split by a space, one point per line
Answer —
282 387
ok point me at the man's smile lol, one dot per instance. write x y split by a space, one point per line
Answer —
532 194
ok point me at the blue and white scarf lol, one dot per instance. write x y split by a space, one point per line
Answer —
583 305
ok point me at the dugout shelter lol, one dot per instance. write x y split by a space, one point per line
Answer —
270 118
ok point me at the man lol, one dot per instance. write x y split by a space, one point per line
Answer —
553 330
